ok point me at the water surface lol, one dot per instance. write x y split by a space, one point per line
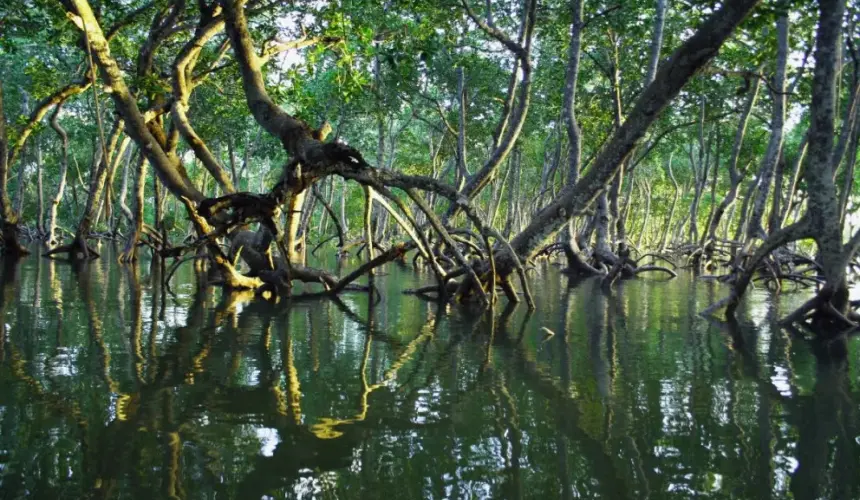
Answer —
110 387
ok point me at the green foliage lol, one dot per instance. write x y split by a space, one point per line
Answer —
390 69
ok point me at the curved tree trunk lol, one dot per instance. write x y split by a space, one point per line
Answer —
129 254
745 209
735 175
568 111
11 247
22 166
121 199
51 240
150 139
512 121
774 146
668 224
40 194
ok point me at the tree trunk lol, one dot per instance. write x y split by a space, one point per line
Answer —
618 181
105 204
774 146
22 166
700 170
745 209
664 239
51 239
123 195
821 220
656 41
568 114
98 178
823 204
11 247
462 169
512 122
40 195
343 199
773 221
735 175
136 225
646 193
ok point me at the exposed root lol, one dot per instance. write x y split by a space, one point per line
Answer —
78 249
653 268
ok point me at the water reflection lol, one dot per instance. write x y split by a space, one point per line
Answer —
112 388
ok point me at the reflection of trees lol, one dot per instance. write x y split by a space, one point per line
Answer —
829 462
630 398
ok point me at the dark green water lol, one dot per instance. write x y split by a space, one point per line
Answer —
110 388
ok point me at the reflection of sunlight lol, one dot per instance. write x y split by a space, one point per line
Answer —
269 439
64 363
424 403
764 341
780 380
674 407
175 316
758 309
785 467
312 484
253 377
722 397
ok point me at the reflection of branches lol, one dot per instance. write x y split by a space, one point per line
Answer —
136 296
294 394
326 428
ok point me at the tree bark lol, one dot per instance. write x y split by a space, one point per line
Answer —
823 204
11 247
22 166
129 254
656 41
821 220
667 228
61 184
735 174
40 194
774 146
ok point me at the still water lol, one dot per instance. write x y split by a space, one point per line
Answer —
111 387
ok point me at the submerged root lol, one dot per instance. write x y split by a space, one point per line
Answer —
78 249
